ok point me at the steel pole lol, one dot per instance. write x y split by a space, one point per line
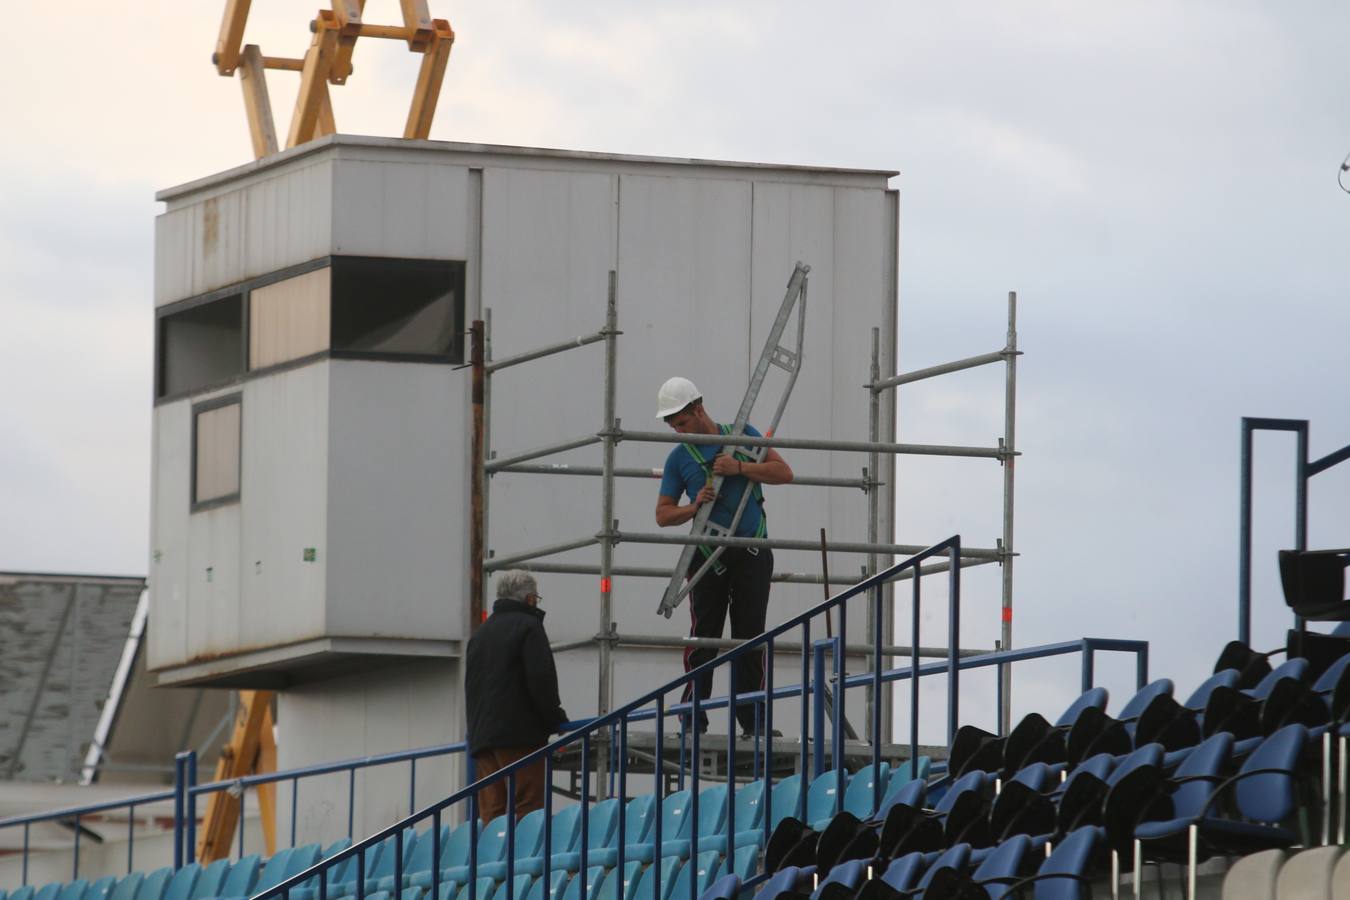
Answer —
1245 536
1009 444
477 478
978 554
873 512
607 525
746 440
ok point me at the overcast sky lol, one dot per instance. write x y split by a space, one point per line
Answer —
1156 180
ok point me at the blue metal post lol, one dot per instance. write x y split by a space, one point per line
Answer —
693 792
1141 667
1088 668
731 771
817 709
351 807
1245 536
953 639
659 788
295 795
585 812
131 834
190 851
510 837
75 864
876 699
436 847
412 786
806 729
837 736
914 681
179 809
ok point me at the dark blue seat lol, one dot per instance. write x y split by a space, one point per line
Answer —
1239 711
1178 725
842 881
1002 866
724 888
784 881
1264 791
1066 874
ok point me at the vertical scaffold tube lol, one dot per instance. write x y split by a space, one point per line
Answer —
477 538
1010 445
874 616
611 425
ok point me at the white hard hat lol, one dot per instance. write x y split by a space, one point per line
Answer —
675 395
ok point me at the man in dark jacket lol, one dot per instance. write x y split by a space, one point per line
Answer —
511 687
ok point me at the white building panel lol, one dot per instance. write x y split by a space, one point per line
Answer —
404 209
396 504
170 482
284 502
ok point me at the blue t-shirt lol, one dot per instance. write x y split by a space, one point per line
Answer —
684 475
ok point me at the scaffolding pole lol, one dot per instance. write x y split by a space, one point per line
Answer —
611 434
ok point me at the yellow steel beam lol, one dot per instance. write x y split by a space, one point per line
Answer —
313 78
231 37
429 79
417 19
238 758
262 127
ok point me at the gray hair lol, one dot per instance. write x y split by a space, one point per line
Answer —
516 584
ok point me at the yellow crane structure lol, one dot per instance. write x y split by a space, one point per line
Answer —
251 750
329 62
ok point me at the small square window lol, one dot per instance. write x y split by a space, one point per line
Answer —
215 452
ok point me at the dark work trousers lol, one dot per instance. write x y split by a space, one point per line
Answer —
743 590
530 787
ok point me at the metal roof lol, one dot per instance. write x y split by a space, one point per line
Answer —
62 638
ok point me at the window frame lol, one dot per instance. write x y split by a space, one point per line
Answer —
195 505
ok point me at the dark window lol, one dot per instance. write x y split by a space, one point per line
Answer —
398 306
201 346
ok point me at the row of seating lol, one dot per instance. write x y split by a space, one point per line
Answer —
1235 794
1322 872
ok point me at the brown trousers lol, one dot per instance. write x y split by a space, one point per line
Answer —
530 785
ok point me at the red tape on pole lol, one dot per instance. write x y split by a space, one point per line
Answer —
1007 613
604 585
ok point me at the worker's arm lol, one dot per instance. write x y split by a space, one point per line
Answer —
773 470
669 513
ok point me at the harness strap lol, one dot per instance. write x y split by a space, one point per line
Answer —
755 490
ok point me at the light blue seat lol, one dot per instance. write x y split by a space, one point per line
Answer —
483 889
609 888
602 826
858 796
529 841
454 853
127 888
183 882
822 801
702 871
154 885
74 890
22 893
647 887
557 883
748 820
375 856
594 879
674 826
98 890
517 888
419 861
712 817
565 836
745 864
48 891
337 874
784 800
239 880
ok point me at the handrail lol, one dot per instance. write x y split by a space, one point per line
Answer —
619 716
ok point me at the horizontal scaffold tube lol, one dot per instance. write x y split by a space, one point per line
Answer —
638 537
782 577
565 469
537 452
959 365
745 440
506 562
508 362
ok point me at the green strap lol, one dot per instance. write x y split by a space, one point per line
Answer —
755 490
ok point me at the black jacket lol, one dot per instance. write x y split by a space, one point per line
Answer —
510 683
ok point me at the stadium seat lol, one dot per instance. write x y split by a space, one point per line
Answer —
127 888
748 821
557 886
154 885
858 798
1314 583
1290 700
724 888
676 825
785 881
1066 874
566 834
418 862
647 886
842 881
1177 725
48 891
183 882
529 843
73 890
21 893
1308 873
609 888
900 876
695 877
1003 866
99 890
602 822
1239 711
240 879
1083 802
1024 805
1253 876
592 880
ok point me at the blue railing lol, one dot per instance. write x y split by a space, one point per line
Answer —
1304 470
652 706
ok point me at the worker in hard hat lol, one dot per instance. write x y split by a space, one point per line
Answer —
738 582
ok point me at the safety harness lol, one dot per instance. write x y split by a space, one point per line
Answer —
755 491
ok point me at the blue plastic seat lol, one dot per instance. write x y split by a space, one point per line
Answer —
1067 873
48 891
419 860
1094 697
910 793
594 879
557 886
377 864
724 888
610 887
529 841
564 838
1001 867
784 881
859 796
454 853
127 888
602 823
846 876
491 848
701 872
517 888
822 799
153 886
675 826
239 880
183 882
668 869
99 890
711 822
904 871
483 889
784 800
744 864
22 893
748 820
1129 713
74 890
